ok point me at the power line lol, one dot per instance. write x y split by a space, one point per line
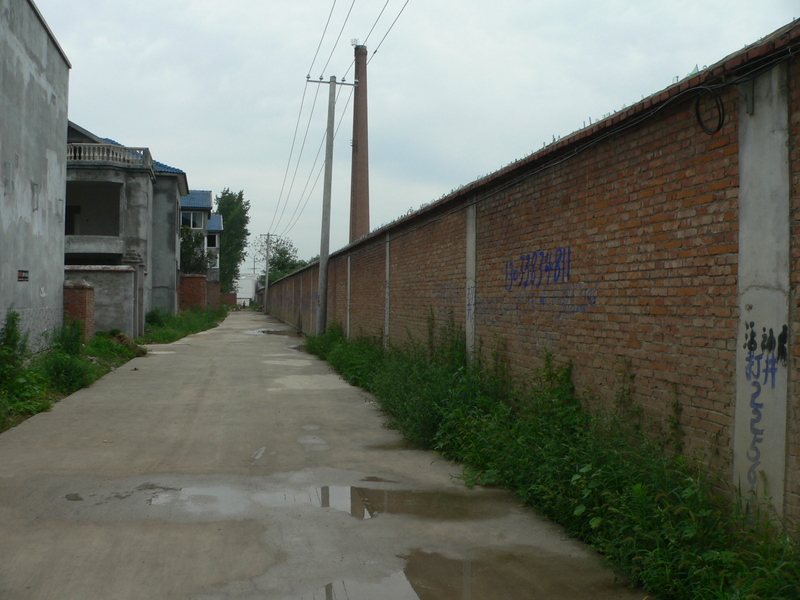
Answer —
319 173
302 203
387 32
336 43
324 31
299 116
366 39
299 157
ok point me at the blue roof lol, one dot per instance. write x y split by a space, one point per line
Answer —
162 168
199 199
215 223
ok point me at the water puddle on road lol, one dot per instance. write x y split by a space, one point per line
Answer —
490 576
359 502
283 332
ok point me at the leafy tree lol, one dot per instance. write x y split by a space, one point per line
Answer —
282 257
234 210
193 255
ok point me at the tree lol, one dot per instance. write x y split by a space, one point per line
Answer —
234 210
282 257
193 255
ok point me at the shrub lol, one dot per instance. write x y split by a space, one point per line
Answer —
653 513
66 373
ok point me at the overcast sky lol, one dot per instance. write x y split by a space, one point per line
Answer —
458 88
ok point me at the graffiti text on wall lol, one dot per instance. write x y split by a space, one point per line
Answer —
542 281
539 268
761 367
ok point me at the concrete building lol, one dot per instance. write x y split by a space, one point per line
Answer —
122 228
34 77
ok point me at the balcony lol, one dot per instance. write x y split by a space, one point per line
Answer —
94 244
85 154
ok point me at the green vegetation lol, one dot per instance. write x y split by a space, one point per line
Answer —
162 328
653 513
31 383
194 259
235 218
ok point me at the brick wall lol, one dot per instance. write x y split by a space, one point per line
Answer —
79 306
213 297
193 292
616 249
228 299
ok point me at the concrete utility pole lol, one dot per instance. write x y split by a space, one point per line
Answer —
359 182
266 277
324 246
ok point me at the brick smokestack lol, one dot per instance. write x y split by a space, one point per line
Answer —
359 182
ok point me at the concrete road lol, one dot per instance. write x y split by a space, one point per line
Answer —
231 464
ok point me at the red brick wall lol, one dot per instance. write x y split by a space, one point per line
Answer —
367 288
213 297
622 258
427 275
228 299
79 306
192 292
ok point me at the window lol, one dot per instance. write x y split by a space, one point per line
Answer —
211 240
192 219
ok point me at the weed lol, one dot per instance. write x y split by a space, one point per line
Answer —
162 328
654 515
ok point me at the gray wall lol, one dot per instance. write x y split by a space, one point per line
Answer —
164 274
115 291
34 75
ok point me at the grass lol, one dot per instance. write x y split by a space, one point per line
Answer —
162 328
30 384
653 513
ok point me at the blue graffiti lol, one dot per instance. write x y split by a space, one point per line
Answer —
539 268
543 281
754 453
773 353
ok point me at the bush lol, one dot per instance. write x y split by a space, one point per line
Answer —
66 373
653 513
68 339
164 329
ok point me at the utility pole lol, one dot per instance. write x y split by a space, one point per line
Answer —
324 246
359 179
266 276
325 240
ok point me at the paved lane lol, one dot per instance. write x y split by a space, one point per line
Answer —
230 464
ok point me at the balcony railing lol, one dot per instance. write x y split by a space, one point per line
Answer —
109 153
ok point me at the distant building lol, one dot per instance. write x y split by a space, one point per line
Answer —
246 288
33 124
121 223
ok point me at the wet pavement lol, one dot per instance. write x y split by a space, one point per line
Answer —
231 464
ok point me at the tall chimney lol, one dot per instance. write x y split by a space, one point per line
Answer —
359 182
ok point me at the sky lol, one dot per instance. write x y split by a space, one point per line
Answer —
457 88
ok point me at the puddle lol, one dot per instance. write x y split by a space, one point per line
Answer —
359 502
508 574
491 576
283 332
74 498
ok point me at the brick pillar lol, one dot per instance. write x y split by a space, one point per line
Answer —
79 306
